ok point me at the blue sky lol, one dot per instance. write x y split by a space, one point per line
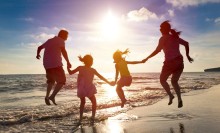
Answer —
99 27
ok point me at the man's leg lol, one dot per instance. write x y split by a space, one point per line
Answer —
49 87
57 88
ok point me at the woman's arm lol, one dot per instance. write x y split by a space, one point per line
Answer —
186 45
156 51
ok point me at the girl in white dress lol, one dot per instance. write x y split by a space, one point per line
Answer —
85 86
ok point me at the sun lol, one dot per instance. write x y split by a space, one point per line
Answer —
110 26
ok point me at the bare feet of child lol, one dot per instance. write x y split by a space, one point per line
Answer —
123 103
171 100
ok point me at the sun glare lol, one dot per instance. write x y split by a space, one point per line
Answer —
110 26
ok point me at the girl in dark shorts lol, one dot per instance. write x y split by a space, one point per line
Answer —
173 64
122 68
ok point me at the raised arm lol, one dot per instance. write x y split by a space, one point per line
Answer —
72 71
38 52
64 53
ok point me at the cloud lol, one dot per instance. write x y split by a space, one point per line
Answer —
186 3
171 13
142 14
217 20
42 36
28 19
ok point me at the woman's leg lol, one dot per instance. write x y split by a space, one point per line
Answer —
163 81
93 101
82 104
121 95
174 81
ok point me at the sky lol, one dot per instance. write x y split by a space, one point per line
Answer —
100 27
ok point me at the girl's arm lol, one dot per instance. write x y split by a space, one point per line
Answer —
116 73
72 71
102 78
134 62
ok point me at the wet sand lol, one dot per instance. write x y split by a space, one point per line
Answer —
200 114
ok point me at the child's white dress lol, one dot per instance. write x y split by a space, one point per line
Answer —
85 86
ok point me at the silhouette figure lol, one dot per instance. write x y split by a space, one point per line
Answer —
125 76
52 62
85 86
173 64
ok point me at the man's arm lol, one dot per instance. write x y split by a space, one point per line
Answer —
38 52
64 53
156 51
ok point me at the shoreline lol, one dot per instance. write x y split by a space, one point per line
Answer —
200 114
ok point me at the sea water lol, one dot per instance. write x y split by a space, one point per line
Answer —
22 107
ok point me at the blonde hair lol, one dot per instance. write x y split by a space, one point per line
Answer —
117 56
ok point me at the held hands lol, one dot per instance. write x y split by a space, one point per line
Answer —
144 60
112 83
69 65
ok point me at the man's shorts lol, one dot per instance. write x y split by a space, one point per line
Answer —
125 81
55 75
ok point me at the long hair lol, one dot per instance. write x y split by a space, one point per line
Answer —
166 28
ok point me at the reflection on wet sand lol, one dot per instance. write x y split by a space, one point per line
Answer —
181 129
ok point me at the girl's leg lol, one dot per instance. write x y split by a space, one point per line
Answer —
93 101
163 81
121 95
174 81
82 104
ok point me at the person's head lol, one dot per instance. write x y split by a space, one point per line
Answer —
117 56
165 28
87 60
63 34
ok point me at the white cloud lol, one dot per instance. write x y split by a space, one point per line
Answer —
171 13
217 20
42 36
186 3
28 19
142 14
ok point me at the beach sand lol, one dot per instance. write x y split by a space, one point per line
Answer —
200 114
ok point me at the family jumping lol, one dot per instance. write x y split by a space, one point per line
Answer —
54 49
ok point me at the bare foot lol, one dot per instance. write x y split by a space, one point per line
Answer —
53 100
171 100
180 104
123 103
47 101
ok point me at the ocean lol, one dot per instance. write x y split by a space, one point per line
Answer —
22 107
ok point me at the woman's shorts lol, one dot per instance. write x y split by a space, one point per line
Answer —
125 81
55 75
172 67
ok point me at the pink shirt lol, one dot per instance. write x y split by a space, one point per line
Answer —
52 53
170 46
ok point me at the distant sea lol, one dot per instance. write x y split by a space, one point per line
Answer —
22 107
